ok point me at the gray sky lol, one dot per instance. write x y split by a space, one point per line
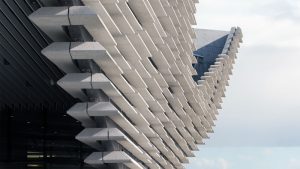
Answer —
259 125
261 107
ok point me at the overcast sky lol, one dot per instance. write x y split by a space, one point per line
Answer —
261 107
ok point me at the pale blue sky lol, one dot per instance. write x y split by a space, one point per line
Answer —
247 158
261 108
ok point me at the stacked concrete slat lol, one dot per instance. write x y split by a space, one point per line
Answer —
214 82
144 48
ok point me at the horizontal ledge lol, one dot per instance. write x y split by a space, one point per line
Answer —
97 159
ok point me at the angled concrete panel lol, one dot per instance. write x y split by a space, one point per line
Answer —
144 51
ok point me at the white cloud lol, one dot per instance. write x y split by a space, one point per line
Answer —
294 163
267 151
281 9
253 16
204 163
224 164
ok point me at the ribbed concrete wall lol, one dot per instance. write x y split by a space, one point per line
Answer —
143 50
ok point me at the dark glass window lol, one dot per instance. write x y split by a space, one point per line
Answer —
40 137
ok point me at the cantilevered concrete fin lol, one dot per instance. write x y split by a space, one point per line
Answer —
209 44
115 157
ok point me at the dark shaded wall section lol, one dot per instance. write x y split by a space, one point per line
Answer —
35 131
40 137
26 76
209 45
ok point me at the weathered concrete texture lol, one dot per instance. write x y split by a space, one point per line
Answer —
144 48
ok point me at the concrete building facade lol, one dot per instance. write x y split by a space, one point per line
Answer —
128 74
